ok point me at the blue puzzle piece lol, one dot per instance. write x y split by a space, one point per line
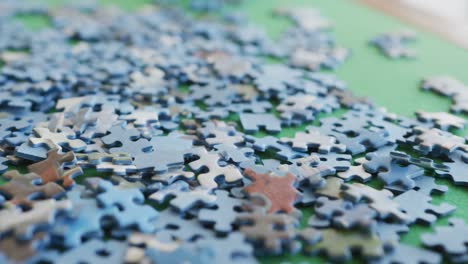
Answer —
171 226
327 80
253 122
224 215
400 175
410 255
28 152
96 252
379 160
185 253
85 220
169 191
283 151
418 207
274 78
231 152
167 152
8 125
457 168
232 249
3 166
128 139
339 162
185 198
131 211
16 138
174 140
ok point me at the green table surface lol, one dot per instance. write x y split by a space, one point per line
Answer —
393 84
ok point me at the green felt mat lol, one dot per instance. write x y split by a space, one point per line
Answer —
393 84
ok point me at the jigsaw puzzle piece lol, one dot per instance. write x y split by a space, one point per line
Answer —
184 197
380 200
231 249
273 233
23 224
338 246
84 220
315 141
132 212
418 207
283 151
456 169
172 227
253 122
452 238
52 168
409 255
22 189
45 137
95 251
223 216
209 160
279 190
189 253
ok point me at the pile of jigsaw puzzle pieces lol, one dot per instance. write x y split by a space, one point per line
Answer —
154 137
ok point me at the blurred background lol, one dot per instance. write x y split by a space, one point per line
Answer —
454 10
447 18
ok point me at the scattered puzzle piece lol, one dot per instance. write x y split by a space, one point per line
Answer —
315 140
253 122
51 169
379 200
272 232
209 160
22 189
452 239
339 245
410 255
24 224
131 212
225 213
417 207
162 102
279 190
442 120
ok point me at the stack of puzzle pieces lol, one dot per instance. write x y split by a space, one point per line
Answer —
155 137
